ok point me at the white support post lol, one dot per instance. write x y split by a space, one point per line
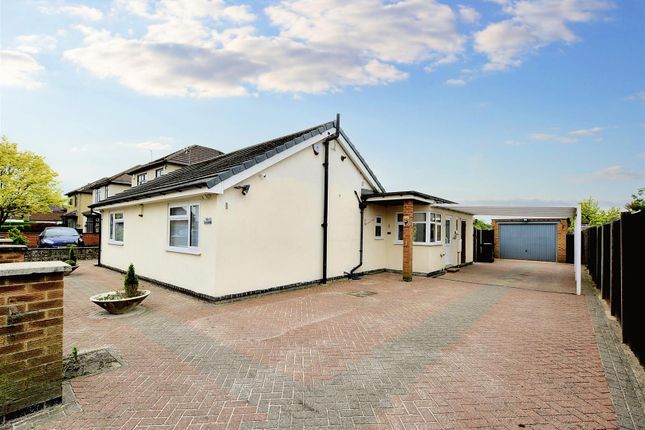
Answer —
577 249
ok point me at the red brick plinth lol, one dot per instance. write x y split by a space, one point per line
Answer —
31 336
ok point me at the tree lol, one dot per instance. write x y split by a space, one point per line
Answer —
131 282
593 215
481 225
27 183
638 201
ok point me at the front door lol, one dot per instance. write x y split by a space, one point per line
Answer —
463 242
448 241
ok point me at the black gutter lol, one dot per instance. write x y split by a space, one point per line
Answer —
326 197
351 274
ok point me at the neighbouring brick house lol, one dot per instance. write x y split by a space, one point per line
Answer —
531 238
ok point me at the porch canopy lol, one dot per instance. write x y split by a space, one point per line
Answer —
532 212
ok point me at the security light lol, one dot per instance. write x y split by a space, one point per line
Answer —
244 188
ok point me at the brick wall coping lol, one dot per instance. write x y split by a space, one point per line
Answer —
12 247
20 269
4 241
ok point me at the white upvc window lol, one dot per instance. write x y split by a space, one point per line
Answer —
426 228
158 172
183 227
435 228
141 178
97 195
105 192
116 227
378 227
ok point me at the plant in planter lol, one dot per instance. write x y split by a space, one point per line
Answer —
120 302
71 259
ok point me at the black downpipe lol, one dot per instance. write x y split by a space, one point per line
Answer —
336 135
351 274
100 234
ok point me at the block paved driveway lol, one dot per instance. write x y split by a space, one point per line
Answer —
504 345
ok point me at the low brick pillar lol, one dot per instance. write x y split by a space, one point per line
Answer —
12 253
31 336
408 227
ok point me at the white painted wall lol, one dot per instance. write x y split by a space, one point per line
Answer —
273 235
145 242
388 253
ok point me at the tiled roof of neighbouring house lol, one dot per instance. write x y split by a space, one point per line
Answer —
210 173
120 178
185 157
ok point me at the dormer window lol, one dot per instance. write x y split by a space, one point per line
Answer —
141 179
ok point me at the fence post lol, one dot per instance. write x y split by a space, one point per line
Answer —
614 278
598 271
606 259
632 237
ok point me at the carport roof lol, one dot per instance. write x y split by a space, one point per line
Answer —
517 211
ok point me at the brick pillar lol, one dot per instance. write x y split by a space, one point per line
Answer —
495 238
31 336
12 253
408 224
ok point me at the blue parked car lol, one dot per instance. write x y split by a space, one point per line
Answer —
51 237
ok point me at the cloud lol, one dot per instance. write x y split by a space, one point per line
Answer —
547 137
531 26
153 145
404 31
211 49
568 138
586 131
76 10
614 173
456 82
637 97
513 142
35 43
19 69
468 14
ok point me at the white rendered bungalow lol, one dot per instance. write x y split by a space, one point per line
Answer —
302 208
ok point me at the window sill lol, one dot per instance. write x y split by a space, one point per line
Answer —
113 242
421 243
191 251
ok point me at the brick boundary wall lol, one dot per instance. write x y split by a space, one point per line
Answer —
90 239
61 254
31 336
562 230
12 253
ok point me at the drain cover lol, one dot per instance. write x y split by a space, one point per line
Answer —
361 293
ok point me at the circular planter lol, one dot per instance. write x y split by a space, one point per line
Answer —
74 267
119 306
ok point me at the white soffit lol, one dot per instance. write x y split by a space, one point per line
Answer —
515 211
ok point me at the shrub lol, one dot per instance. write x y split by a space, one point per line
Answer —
16 235
72 255
131 283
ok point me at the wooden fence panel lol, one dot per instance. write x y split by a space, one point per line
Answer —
632 238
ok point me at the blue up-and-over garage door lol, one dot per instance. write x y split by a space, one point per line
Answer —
528 241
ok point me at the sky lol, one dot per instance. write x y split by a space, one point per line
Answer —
476 101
